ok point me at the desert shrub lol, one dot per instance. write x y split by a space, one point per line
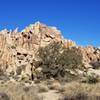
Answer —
79 96
18 92
56 59
91 79
50 53
71 58
81 91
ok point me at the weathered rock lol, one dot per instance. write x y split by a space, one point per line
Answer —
17 49
40 51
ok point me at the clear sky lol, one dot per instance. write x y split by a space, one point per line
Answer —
79 20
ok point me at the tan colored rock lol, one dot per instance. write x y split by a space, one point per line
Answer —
18 50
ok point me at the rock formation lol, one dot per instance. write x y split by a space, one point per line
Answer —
20 53
17 49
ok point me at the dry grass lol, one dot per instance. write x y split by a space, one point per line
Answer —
80 91
19 91
42 88
69 91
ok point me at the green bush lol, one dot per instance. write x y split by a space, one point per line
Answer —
56 59
91 79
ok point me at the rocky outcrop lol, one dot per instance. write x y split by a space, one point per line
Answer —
18 49
40 52
91 55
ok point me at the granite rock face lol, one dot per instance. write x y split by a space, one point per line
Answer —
40 52
18 49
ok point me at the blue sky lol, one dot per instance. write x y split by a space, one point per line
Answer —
79 20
